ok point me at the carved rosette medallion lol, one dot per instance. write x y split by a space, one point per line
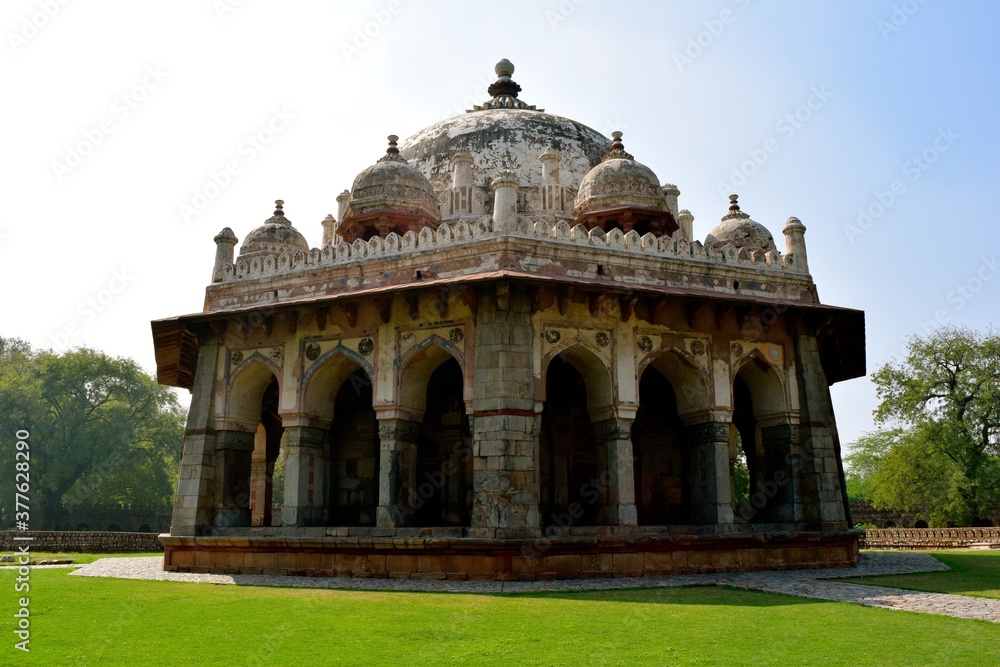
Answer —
645 343
366 346
312 351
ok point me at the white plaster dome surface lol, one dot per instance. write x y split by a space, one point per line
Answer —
506 139
619 181
274 236
392 183
739 230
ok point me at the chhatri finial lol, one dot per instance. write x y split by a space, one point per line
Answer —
504 91
617 151
734 209
504 68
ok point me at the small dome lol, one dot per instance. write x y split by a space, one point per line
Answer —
392 184
275 236
739 230
619 182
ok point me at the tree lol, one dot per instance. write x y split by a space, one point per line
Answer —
944 400
103 432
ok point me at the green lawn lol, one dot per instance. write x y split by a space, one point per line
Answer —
974 573
82 620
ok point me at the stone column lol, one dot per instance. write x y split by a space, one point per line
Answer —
192 512
397 470
551 201
504 202
795 244
614 452
711 487
234 450
505 429
685 222
822 470
343 199
305 477
225 242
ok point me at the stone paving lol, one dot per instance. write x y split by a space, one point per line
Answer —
800 583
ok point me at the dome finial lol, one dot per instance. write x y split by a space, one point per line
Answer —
617 148
278 210
504 68
392 149
734 208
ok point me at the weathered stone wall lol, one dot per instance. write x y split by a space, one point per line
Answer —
928 538
147 520
82 541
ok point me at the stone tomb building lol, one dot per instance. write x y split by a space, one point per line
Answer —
509 358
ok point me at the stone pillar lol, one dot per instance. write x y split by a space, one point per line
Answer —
305 477
329 231
461 183
551 201
795 244
505 429
192 512
260 499
225 242
234 450
504 202
671 193
711 487
822 470
614 452
397 470
343 199
780 471
685 222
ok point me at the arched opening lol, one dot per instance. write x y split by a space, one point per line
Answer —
266 493
764 440
437 481
571 488
354 454
662 461
919 524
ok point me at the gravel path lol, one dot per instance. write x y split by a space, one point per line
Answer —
800 583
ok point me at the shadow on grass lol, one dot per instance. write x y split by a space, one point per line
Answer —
972 573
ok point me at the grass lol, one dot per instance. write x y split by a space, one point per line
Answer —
82 620
973 573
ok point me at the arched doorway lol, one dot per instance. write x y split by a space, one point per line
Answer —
571 487
247 446
354 454
765 439
662 461
440 493
265 504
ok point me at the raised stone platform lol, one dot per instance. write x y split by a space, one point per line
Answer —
463 558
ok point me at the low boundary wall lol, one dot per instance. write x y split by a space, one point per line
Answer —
928 538
85 541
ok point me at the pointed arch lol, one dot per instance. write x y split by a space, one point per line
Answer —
689 382
245 390
416 368
595 372
766 387
324 379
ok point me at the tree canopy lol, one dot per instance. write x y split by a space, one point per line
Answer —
941 456
103 432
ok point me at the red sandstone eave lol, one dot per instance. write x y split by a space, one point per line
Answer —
841 331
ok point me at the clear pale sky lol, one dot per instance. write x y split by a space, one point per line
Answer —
120 119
